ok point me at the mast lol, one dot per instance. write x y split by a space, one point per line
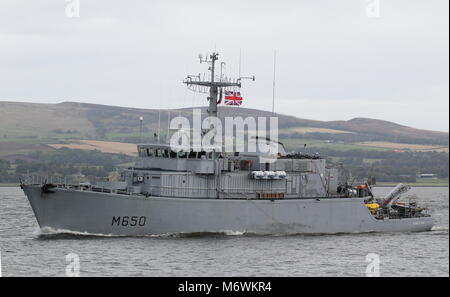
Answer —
196 84
211 86
140 128
213 90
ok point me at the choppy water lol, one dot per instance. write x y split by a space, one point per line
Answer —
26 252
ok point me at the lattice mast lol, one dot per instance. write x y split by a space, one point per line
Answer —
213 87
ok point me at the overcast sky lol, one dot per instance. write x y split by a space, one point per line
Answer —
335 59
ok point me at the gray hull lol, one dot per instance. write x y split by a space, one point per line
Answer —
115 214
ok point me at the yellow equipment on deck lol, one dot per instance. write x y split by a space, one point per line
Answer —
373 207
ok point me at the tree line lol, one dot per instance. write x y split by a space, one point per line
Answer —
63 162
383 165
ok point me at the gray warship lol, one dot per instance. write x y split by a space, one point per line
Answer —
183 191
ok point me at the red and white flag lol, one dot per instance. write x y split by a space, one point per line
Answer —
233 98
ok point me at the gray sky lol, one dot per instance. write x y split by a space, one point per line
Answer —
333 60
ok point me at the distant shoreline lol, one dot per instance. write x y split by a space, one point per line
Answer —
8 185
411 185
430 183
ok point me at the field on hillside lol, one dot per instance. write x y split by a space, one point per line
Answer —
298 143
304 130
403 146
26 145
102 146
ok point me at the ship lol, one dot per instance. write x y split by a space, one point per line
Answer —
183 190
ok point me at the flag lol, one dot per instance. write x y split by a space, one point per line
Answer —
233 98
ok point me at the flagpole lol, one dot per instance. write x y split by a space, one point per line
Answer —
240 59
168 127
240 62
273 84
159 125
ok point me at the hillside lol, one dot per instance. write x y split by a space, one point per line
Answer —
71 120
73 139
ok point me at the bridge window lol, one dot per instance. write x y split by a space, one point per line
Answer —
167 153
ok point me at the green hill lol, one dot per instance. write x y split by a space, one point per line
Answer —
367 147
72 120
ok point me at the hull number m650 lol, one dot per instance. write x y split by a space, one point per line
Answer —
131 221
